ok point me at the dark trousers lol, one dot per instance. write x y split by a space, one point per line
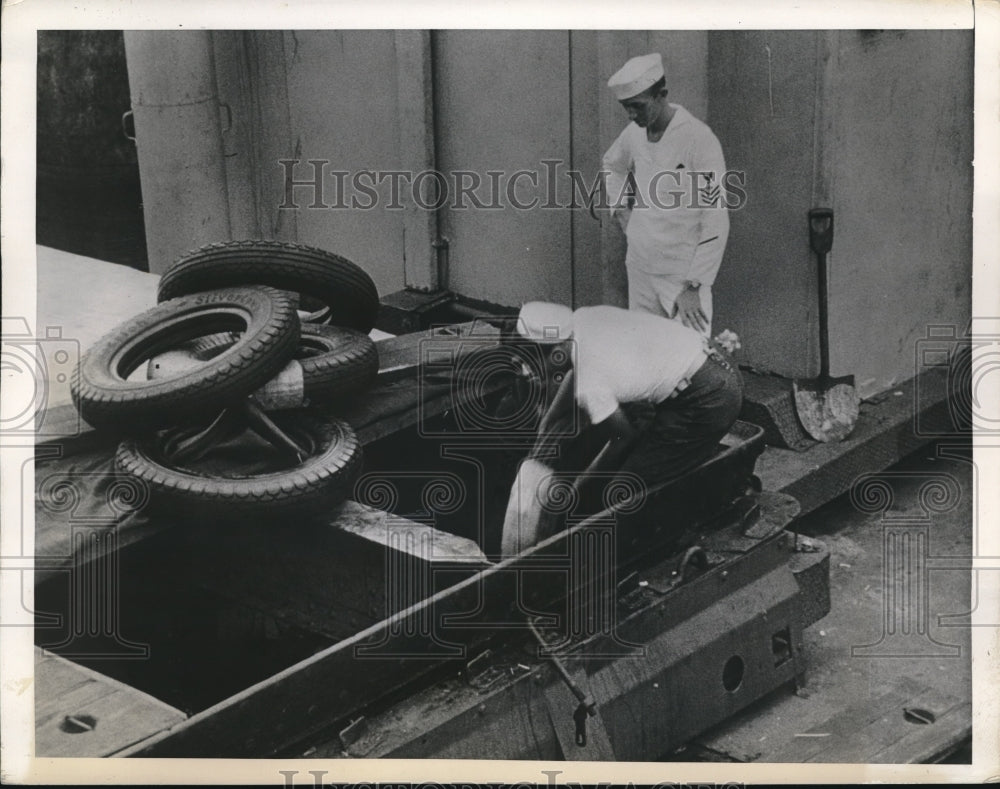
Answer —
685 429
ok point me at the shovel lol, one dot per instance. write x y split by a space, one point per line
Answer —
827 407
524 522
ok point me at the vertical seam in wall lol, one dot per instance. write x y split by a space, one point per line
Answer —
706 84
251 59
416 140
572 215
399 147
817 117
252 141
824 118
442 279
288 126
218 126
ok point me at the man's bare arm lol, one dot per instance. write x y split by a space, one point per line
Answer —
620 436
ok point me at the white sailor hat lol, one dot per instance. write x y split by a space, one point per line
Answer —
635 76
545 322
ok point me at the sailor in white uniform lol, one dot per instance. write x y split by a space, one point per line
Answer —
665 178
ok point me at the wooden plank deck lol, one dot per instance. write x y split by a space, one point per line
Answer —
910 723
79 712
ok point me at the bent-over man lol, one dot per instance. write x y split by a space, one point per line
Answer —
622 357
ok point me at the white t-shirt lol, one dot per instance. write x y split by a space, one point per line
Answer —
627 356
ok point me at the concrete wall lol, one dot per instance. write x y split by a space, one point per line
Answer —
252 83
878 126
875 124
502 104
342 107
326 96
763 89
509 100
901 171
502 100
597 119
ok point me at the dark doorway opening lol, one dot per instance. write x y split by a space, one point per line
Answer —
88 198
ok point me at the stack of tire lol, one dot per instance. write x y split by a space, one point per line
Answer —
247 316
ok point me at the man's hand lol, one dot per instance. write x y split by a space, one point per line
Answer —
619 437
690 311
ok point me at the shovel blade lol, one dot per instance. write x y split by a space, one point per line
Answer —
827 409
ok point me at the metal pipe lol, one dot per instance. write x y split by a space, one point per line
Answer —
441 242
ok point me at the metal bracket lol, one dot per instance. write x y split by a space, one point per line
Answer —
587 707
776 511
483 671
128 116
590 200
692 563
480 674
441 246
229 116
353 732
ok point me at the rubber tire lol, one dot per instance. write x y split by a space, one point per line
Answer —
322 482
330 279
106 400
346 362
